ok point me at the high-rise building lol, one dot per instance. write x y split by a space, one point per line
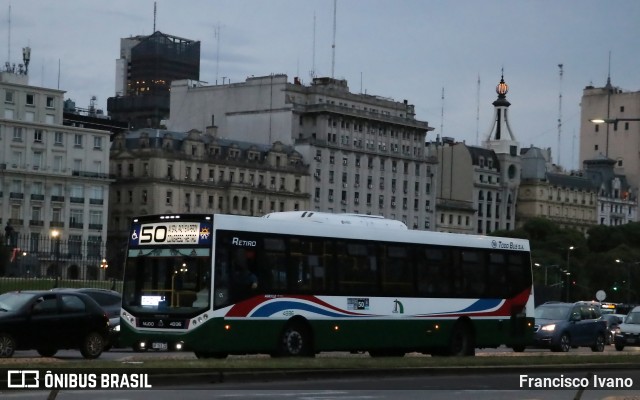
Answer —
144 72
619 139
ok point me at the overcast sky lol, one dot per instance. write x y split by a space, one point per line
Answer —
401 49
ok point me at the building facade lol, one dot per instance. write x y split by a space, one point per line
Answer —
471 198
366 153
159 171
617 200
568 200
54 182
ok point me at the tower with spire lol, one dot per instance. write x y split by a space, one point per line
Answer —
503 142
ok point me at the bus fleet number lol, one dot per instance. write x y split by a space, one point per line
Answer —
153 234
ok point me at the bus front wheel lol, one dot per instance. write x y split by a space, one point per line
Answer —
295 341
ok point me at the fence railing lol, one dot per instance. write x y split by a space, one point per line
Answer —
33 256
8 284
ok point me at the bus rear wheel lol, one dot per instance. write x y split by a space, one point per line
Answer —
462 341
295 341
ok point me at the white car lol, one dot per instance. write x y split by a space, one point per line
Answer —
629 330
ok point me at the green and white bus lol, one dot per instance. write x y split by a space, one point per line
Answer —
299 283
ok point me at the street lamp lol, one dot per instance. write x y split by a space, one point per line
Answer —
613 121
628 277
569 272
55 236
104 266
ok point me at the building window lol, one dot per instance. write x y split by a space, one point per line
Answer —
169 199
57 138
8 96
37 160
50 102
17 134
30 99
97 142
77 140
37 136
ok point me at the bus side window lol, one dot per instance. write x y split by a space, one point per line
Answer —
221 279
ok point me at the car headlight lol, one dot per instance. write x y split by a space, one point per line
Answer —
549 328
116 328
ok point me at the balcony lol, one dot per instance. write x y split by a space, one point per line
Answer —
76 225
56 224
87 174
37 197
59 199
14 195
35 222
97 227
96 201
76 199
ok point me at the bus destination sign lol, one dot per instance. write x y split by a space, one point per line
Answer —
173 233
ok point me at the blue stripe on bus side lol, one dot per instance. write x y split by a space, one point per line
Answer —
278 306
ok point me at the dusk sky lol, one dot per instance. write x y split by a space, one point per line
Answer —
400 49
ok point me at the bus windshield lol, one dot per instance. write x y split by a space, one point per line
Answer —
163 279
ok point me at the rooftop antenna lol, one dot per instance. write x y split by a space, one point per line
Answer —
216 34
333 46
312 73
154 17
609 89
478 110
9 43
573 149
442 114
559 113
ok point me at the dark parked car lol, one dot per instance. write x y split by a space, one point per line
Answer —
629 330
111 303
560 326
613 321
48 321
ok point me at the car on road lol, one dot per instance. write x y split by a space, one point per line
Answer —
613 321
111 303
48 321
560 326
629 330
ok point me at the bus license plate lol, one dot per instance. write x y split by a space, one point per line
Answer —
159 345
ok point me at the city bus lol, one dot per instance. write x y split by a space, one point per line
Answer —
300 283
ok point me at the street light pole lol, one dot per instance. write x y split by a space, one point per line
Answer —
569 273
628 277
55 235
